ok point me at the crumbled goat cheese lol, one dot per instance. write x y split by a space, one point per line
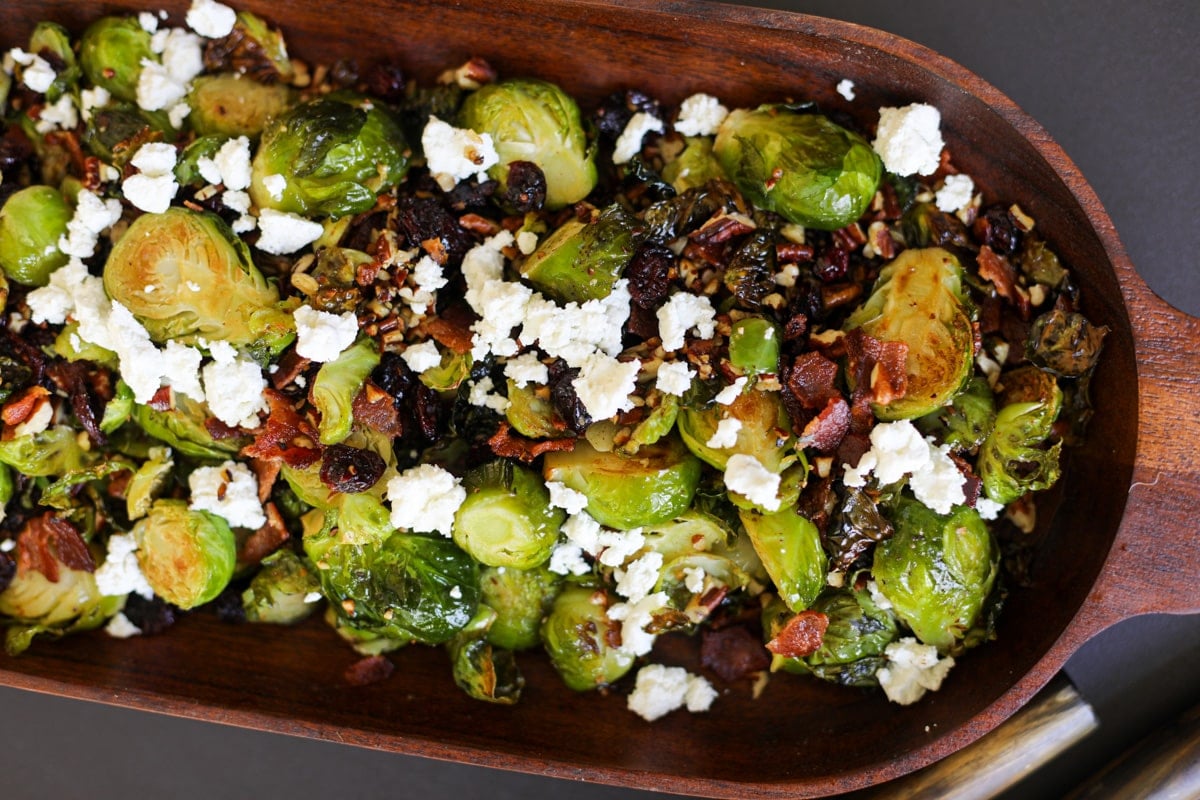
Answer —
604 385
748 477
877 597
182 55
423 356
573 332
275 184
425 499
700 115
909 139
211 19
284 232
148 21
786 277
582 530
92 216
726 434
177 113
120 574
322 336
428 275
912 669
236 200
527 242
120 627
675 378
89 99
629 143
634 617
60 115
845 88
637 580
229 491
566 498
898 449
36 72
988 508
153 187
156 90
483 394
956 193
501 308
233 161
455 154
313 597
615 547
682 313
525 369
731 392
162 84
484 263
567 559
233 387
660 690
693 579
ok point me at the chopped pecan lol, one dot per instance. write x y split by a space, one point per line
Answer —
801 636
998 270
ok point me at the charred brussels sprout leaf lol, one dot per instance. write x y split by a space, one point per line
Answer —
750 275
1013 459
801 166
279 591
855 527
234 105
1041 263
334 155
967 421
187 556
578 637
1065 343
205 284
182 427
481 669
111 53
521 599
937 571
532 415
790 548
31 222
507 519
535 121
919 300
117 131
582 261
853 646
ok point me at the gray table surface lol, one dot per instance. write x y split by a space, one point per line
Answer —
1115 84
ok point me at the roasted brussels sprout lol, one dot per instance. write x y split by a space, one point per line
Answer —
578 637
51 41
532 415
187 556
205 285
754 346
1065 343
229 104
334 156
111 53
53 452
694 167
582 261
336 385
183 428
937 571
281 591
801 166
252 48
657 424
919 300
626 492
1014 459
507 519
521 599
966 421
119 129
790 548
31 223
764 430
146 481
481 669
535 121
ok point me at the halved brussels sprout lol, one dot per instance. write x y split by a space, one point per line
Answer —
231 105
507 519
754 346
1065 343
790 548
111 53
765 431
582 261
117 131
336 385
1013 459
480 669
187 556
657 424
937 571
966 421
801 166
183 428
694 167
146 481
533 120
31 223
533 416
279 592
578 637
53 452
51 39
521 599
205 285
919 300
629 491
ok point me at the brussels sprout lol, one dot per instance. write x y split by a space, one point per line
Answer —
629 491
205 284
925 225
146 481
115 133
183 428
521 598
578 637
694 167
366 643
253 48
409 586
234 105
31 222
532 415
1065 343
754 346
966 421
61 493
308 487
334 156
279 592
507 519
118 410
51 39
1013 460
111 53
582 261
790 548
187 168
53 452
856 525
1041 263
337 383
765 431
480 669
801 166
532 120
918 300
447 376
937 571
657 424
187 556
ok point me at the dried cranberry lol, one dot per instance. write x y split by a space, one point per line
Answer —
424 218
833 263
566 401
615 112
649 274
996 229
349 469
471 195
8 568
386 81
151 616
526 186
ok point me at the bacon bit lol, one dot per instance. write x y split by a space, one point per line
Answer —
91 173
801 636
371 669
266 540
732 653
218 430
972 484
811 380
266 473
291 365
436 250
776 176
876 368
478 224
162 400
818 502
855 444
23 406
376 409
452 328
506 444
1000 272
792 252
47 541
285 436
83 387
825 431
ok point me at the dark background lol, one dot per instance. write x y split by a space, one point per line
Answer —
1115 84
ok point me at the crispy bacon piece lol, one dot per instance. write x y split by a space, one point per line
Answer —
266 472
371 669
47 541
825 431
286 436
506 444
452 328
218 430
23 406
376 409
801 636
997 269
732 653
973 484
877 370
291 365
811 380
266 540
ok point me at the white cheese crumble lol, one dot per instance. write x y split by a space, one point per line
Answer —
629 143
604 385
60 115
726 434
573 332
120 627
731 392
90 99
92 216
567 559
177 113
425 499
455 154
527 242
675 378
322 336
211 19
845 88
230 165
634 617
284 232
423 356
501 308
120 574
912 669
36 72
153 187
693 579
909 139
148 21
660 690
525 369
700 115
637 580
483 394
956 193
275 184
233 387
566 498
988 508
898 449
682 313
229 491
748 477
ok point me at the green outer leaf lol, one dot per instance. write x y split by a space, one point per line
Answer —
790 548
337 383
1012 460
53 452
31 223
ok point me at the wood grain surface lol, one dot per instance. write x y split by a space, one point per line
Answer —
1121 541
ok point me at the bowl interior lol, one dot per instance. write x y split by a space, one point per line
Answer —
800 737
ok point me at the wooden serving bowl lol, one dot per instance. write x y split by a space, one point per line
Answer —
1123 541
